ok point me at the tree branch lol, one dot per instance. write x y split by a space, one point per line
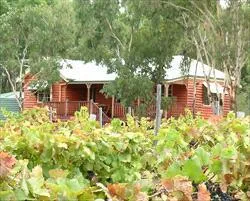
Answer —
205 51
21 69
205 15
12 86
114 35
131 39
182 8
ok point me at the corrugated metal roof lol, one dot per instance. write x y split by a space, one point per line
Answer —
10 104
176 71
9 95
79 71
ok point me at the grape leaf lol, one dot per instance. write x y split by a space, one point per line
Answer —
203 156
192 168
203 193
6 163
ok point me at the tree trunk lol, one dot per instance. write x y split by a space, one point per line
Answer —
233 101
194 89
13 87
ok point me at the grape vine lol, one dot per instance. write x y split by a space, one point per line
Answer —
193 159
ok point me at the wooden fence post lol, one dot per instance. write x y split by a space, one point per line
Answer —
166 86
91 107
129 111
113 106
66 107
50 114
100 116
158 110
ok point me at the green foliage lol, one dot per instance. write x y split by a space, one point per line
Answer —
128 88
210 28
78 144
243 96
4 6
167 102
34 36
78 160
195 148
135 39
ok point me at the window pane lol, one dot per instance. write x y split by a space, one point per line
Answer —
43 97
205 96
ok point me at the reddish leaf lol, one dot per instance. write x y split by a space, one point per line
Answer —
215 119
6 163
184 185
137 188
223 187
168 184
203 193
117 190
179 184
226 181
228 178
141 197
194 132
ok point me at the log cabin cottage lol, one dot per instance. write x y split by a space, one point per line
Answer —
81 83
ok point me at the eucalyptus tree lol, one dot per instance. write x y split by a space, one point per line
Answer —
221 38
34 37
243 94
235 44
135 39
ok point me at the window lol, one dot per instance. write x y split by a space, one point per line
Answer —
43 97
206 98
170 90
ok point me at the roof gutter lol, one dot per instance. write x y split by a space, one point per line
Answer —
188 77
89 82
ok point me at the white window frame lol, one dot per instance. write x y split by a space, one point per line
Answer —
45 95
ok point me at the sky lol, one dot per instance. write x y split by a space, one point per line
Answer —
223 3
